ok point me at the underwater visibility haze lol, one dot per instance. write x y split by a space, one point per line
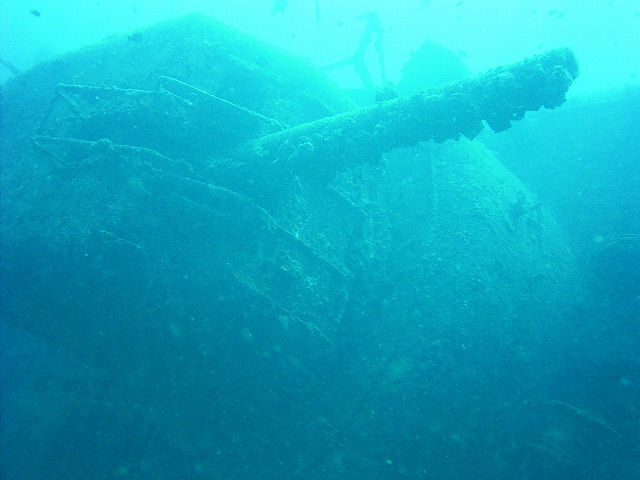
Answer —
309 239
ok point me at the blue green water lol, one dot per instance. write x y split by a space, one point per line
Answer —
446 311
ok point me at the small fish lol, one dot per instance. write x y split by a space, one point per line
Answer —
279 6
424 4
135 37
35 13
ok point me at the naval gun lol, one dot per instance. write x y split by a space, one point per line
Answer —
268 150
